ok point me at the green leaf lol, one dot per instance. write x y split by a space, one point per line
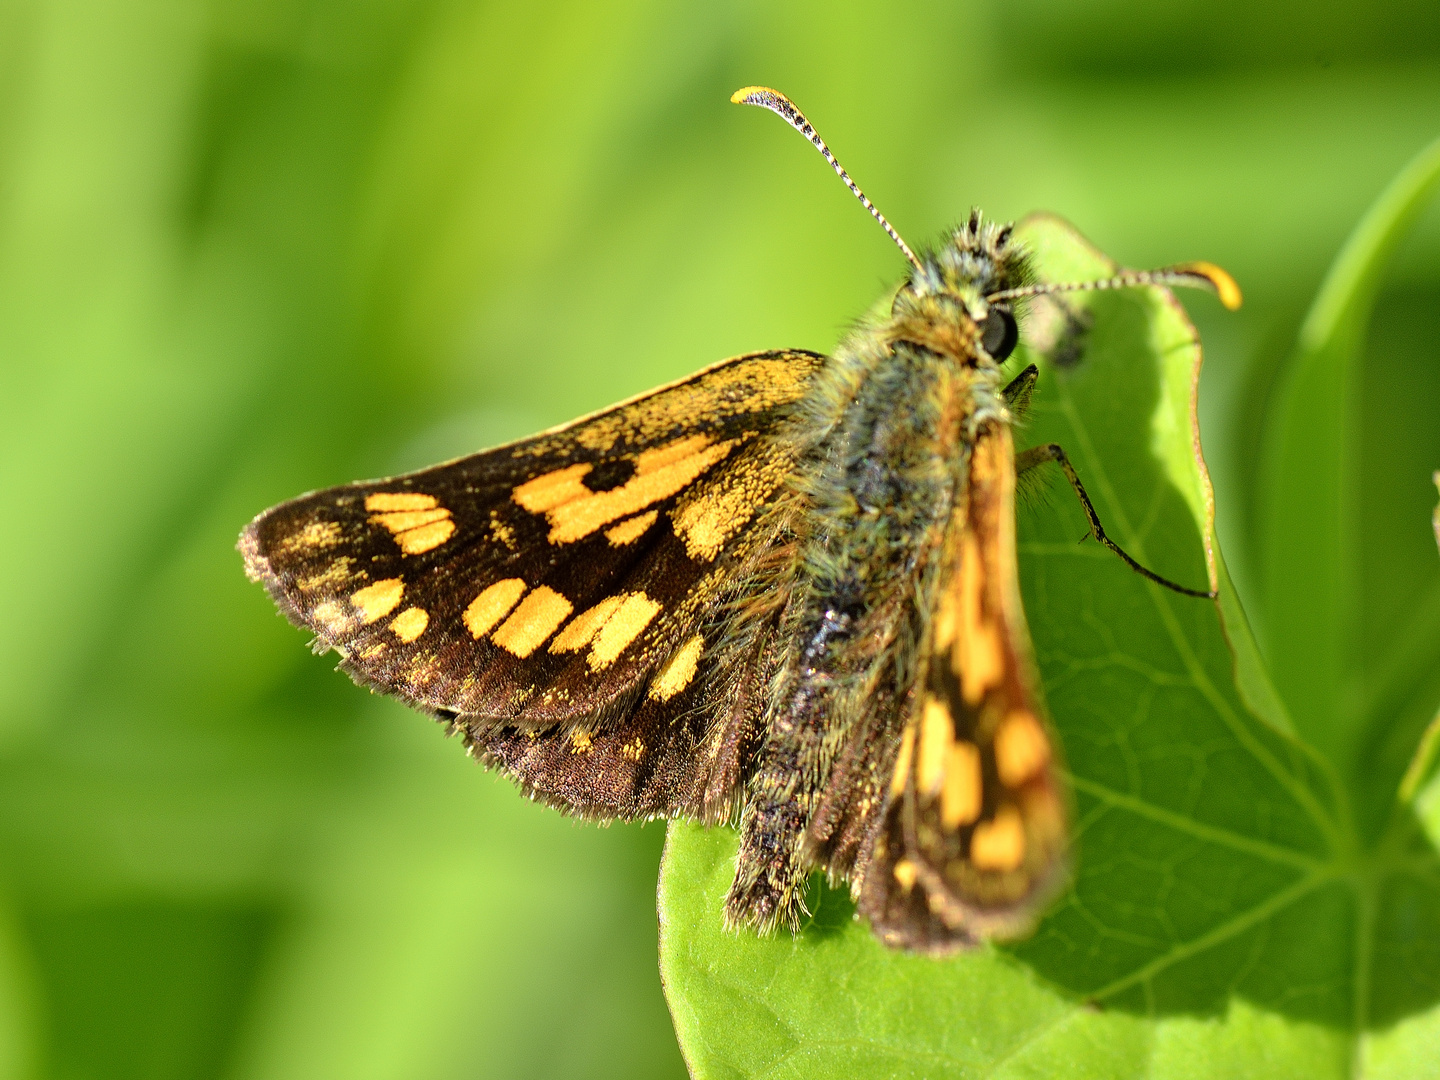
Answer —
1223 919
1427 751
1313 528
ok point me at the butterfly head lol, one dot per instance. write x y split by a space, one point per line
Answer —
945 299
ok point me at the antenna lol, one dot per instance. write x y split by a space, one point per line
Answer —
784 108
1194 275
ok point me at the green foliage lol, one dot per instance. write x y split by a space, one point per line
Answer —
1319 602
1233 912
248 250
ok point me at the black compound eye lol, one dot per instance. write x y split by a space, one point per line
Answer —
999 334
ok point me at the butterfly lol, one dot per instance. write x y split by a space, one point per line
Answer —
780 593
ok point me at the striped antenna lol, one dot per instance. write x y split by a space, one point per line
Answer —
1195 275
784 108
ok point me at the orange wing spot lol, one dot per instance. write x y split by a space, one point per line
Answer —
378 600
633 750
902 761
553 489
410 624
963 793
623 627
574 511
705 526
1021 748
630 530
586 625
999 844
579 741
416 531
532 622
399 500
708 516
677 674
905 874
400 521
979 657
420 540
659 474
492 605
662 456
937 733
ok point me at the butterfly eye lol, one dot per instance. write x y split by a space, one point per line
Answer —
998 333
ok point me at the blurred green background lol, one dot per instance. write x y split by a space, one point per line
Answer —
249 249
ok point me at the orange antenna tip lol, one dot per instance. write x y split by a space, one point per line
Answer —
750 95
1220 281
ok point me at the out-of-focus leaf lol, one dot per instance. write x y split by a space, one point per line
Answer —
20 1057
111 966
1310 506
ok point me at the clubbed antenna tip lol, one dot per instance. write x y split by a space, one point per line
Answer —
1220 282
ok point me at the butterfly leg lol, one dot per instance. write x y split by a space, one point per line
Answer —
1039 455
1019 391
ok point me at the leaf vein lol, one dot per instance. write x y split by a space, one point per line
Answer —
1197 829
1221 933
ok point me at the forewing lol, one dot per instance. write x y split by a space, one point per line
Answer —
973 842
543 583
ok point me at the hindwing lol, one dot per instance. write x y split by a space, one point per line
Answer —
683 747
973 841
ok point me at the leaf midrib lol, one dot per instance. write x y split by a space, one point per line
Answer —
1219 934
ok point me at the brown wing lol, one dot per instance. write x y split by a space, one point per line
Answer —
542 583
973 841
